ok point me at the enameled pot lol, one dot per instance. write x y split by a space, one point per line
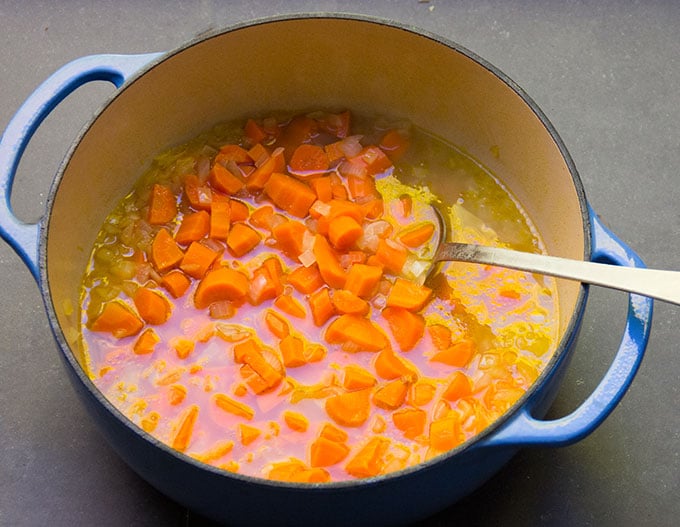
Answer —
291 63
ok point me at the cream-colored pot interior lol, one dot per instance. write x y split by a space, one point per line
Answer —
298 64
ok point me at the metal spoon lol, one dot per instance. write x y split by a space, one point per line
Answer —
660 284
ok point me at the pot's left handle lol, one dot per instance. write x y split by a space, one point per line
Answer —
21 236
524 429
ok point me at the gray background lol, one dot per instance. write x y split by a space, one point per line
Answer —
606 73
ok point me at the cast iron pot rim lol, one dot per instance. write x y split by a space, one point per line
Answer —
475 441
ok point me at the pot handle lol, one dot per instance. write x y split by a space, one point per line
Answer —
525 430
23 237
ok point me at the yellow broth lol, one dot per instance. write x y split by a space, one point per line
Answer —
187 387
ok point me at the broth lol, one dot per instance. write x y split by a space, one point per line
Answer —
232 309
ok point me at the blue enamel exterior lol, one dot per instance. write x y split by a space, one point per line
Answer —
400 498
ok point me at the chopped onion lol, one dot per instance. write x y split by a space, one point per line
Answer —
202 168
351 145
222 309
373 232
231 332
307 258
415 269
320 208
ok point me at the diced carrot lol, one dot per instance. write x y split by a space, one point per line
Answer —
362 279
261 217
226 403
333 433
408 295
150 422
258 153
242 239
308 159
350 409
290 305
254 132
194 226
118 319
355 333
323 452
290 194
171 377
314 353
445 433
220 284
197 260
321 306
162 205
440 336
459 386
417 235
176 394
295 421
238 210
218 451
265 284
165 253
289 237
322 186
346 302
329 266
299 130
421 392
391 256
306 279
376 160
182 346
292 350
220 220
176 283
392 395
407 328
411 421
391 366
295 471
336 124
263 370
232 152
343 232
198 194
361 187
152 306
257 179
394 143
186 428
458 354
248 434
223 180
146 342
373 209
369 460
246 348
356 378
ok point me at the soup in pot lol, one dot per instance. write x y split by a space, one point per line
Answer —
257 300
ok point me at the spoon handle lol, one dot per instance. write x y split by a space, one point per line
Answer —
659 284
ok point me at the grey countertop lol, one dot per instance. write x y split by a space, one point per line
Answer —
606 73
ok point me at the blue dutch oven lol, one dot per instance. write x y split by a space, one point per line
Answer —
370 66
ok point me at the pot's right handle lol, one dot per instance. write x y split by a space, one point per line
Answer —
523 429
23 237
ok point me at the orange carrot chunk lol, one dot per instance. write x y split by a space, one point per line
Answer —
323 452
292 351
458 354
406 327
277 324
357 378
459 386
220 220
289 237
355 333
223 180
242 239
118 319
369 461
194 226
308 159
391 366
295 471
288 304
346 302
295 421
152 306
165 253
418 235
186 428
162 205
176 283
392 395
146 342
306 279
343 231
350 409
363 279
248 434
321 306
329 265
391 256
220 284
333 433
197 260
411 421
226 403
408 295
445 433
290 194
